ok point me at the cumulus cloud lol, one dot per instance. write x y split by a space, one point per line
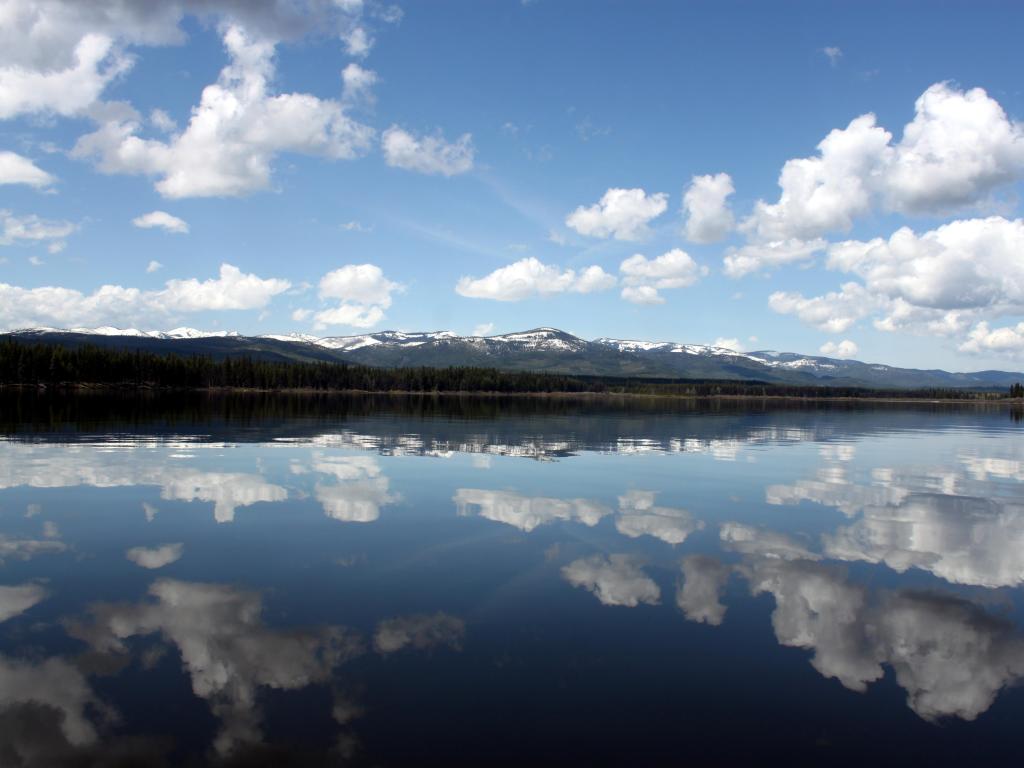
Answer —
114 304
32 229
705 204
843 349
95 63
161 220
643 278
613 579
620 213
427 154
530 277
966 264
942 282
757 256
59 56
235 131
1008 340
154 266
835 312
421 632
957 150
833 52
15 169
825 193
363 292
155 557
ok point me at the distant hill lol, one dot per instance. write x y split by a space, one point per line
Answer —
541 349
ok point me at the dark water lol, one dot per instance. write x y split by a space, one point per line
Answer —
376 581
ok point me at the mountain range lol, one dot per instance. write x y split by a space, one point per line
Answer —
541 349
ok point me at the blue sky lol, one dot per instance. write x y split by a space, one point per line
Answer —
454 177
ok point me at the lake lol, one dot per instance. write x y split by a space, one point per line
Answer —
260 580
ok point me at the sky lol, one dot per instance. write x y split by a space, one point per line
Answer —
821 177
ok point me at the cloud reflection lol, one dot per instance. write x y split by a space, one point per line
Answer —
526 512
226 649
614 580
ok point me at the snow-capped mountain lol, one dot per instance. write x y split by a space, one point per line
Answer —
539 349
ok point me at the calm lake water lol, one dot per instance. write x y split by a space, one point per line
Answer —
333 581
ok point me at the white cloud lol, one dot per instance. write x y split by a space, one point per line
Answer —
161 220
234 133
705 203
972 263
15 169
835 312
728 343
484 329
358 42
643 278
67 91
614 580
155 557
58 56
756 256
357 83
427 154
531 277
941 282
364 294
117 305
31 228
1008 340
233 289
843 349
833 52
825 193
154 266
620 213
162 121
958 149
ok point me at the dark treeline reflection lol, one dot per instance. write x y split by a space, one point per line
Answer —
583 421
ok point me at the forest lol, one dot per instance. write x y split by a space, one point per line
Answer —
54 366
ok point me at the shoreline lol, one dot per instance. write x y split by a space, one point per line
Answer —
884 399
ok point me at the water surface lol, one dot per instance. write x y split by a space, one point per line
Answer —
387 581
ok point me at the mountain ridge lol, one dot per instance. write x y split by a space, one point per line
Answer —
542 349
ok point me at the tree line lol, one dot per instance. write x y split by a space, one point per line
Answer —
54 366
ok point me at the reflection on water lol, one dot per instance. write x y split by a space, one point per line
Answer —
176 588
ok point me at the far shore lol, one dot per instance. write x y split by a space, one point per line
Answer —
973 398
